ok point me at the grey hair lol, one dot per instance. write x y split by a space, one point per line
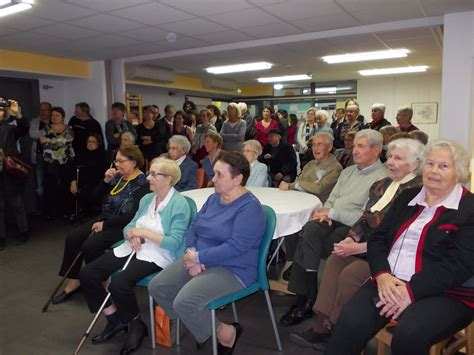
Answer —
374 137
460 156
181 141
407 109
353 107
323 113
380 106
416 152
129 135
328 136
254 145
242 106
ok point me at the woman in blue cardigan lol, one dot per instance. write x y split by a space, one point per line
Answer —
156 234
221 257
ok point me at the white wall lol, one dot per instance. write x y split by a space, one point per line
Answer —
399 91
158 96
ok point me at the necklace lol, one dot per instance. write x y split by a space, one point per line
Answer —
116 190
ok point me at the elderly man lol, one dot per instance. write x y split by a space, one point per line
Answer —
404 115
280 157
320 175
118 124
331 223
378 119
179 146
83 124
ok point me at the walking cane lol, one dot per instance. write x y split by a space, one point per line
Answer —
97 315
45 307
77 193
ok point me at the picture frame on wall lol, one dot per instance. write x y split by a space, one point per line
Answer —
425 112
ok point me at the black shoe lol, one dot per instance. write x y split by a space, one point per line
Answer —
109 332
3 243
287 273
295 315
310 339
225 350
138 331
306 311
22 238
65 296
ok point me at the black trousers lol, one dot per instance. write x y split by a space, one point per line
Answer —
121 286
56 189
421 325
315 243
91 248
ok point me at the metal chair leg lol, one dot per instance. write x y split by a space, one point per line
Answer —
272 317
152 322
178 331
214 332
234 310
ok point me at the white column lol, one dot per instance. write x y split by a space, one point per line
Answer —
117 73
458 79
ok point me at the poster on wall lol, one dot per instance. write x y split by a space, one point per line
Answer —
425 112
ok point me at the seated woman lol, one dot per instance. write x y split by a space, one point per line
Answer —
156 235
179 147
221 256
347 269
213 144
90 165
258 171
124 187
421 259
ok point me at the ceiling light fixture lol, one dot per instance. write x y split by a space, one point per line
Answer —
278 86
364 56
332 89
8 7
237 68
275 79
400 70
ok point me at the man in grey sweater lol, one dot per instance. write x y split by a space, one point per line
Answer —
330 224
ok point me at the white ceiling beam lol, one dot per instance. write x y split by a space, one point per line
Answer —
340 32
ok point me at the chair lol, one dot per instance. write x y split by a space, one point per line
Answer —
464 339
202 178
260 284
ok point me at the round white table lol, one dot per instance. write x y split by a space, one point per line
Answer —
292 208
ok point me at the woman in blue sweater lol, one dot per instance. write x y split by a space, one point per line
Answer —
222 246
156 234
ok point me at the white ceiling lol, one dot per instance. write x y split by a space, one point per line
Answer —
107 29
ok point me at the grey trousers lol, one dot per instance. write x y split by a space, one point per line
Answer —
186 297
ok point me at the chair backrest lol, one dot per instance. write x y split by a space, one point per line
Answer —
192 206
269 181
202 178
267 238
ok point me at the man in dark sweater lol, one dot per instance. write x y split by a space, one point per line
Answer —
83 124
280 157
378 117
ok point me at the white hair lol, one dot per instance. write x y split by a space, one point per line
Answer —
323 113
374 138
416 152
181 141
460 157
381 107
242 106
255 145
328 136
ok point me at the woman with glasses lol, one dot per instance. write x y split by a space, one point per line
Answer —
258 171
123 187
156 234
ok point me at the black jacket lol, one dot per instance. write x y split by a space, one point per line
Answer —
283 159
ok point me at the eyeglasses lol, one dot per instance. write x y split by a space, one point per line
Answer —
117 161
154 174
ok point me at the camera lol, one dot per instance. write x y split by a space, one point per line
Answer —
5 103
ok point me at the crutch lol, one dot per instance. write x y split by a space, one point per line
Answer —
77 193
45 307
97 315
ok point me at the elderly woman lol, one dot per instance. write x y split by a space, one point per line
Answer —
179 146
321 122
347 268
156 235
213 144
306 130
221 256
124 186
265 125
421 259
351 123
233 130
127 139
258 171
198 150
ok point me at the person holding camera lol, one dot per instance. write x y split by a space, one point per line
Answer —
12 127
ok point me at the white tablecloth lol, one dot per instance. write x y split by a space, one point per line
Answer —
292 208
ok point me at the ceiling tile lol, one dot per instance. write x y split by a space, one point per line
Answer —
24 22
146 34
58 11
107 5
194 27
208 7
328 22
422 33
302 9
271 30
245 18
266 2
378 11
106 23
65 31
227 37
183 43
105 41
28 39
152 14
441 7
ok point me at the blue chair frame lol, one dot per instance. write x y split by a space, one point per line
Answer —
260 284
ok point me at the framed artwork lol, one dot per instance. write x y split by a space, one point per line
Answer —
425 112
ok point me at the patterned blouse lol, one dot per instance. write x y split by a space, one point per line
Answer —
58 148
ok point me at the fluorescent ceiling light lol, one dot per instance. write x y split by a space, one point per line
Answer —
275 79
332 89
237 68
400 70
278 86
14 6
363 56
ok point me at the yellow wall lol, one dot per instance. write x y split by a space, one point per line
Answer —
42 64
196 84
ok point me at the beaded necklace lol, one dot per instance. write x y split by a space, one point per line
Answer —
116 190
